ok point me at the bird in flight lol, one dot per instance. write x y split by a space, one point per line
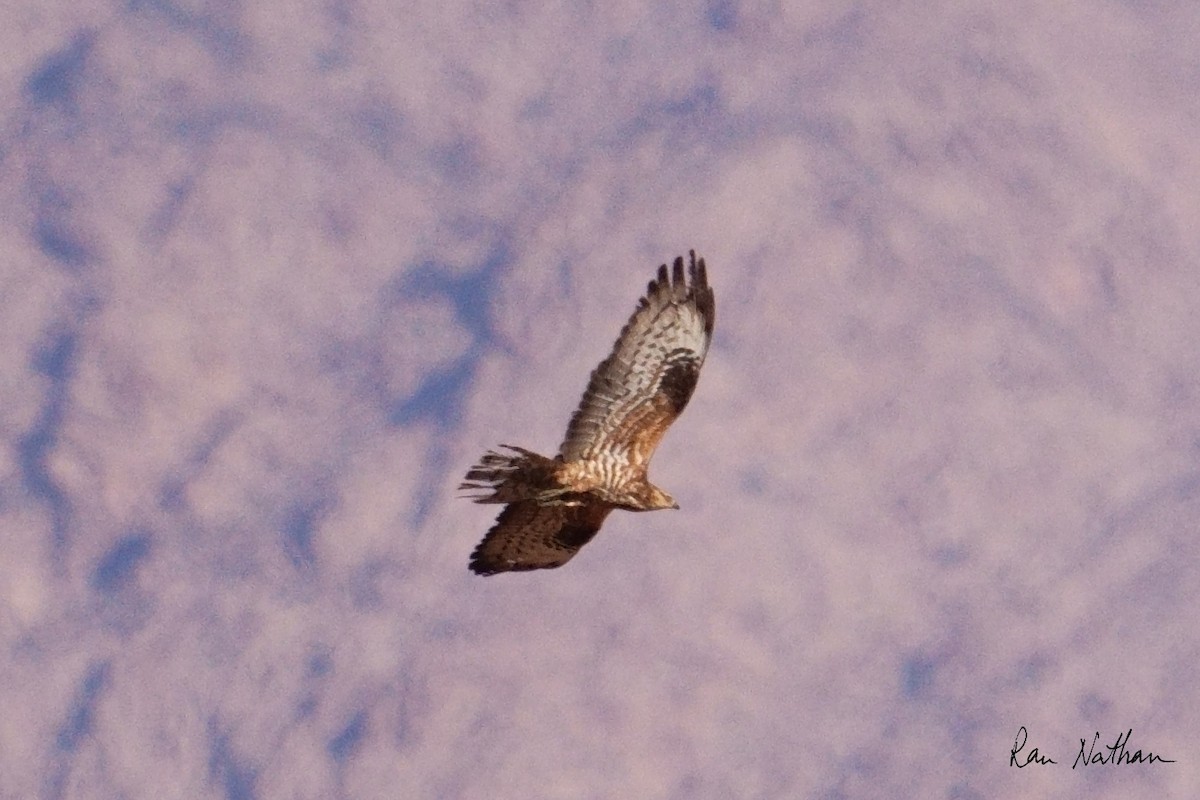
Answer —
554 506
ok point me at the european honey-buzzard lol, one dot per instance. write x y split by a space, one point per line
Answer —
554 506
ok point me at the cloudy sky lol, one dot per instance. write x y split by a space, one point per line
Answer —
275 274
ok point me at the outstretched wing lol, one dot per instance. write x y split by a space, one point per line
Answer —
529 536
647 380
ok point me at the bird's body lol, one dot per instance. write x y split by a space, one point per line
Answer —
556 505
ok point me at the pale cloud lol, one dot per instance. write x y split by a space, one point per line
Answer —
275 275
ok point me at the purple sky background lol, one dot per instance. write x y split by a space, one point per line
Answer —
275 275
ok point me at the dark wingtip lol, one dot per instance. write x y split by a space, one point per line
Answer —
698 270
479 568
705 300
480 564
659 283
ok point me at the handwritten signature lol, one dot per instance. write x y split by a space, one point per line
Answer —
1118 752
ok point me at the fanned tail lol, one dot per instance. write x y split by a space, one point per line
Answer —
511 477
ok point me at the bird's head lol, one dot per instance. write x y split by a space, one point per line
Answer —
660 499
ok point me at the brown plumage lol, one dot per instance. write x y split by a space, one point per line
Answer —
556 505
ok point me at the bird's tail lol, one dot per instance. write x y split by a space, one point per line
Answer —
509 477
